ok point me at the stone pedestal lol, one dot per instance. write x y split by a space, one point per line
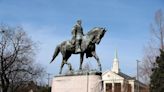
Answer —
77 83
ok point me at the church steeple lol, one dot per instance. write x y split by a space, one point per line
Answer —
115 67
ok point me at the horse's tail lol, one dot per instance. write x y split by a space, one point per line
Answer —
57 50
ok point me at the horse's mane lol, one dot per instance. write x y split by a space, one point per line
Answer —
95 30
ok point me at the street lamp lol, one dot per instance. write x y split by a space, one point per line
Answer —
138 75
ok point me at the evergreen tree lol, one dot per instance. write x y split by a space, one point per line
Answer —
157 77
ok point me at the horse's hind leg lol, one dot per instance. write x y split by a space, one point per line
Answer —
81 60
61 67
97 58
69 64
62 64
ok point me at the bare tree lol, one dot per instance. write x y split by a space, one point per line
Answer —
152 48
158 29
16 59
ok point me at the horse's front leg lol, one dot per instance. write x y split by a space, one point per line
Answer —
81 60
97 58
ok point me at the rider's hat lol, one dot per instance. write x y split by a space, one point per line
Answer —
79 20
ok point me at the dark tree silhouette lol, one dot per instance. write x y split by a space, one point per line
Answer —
157 77
16 59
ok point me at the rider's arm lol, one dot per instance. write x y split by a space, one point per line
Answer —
74 30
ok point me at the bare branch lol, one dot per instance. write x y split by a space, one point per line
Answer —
16 59
152 48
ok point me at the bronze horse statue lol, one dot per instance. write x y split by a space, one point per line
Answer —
88 47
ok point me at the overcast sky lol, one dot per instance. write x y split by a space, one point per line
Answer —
49 22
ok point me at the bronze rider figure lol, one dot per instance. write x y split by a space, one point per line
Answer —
77 33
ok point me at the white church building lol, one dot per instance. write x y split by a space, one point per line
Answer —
116 81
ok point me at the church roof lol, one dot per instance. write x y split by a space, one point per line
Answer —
125 76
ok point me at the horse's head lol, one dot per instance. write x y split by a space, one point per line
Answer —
96 34
100 35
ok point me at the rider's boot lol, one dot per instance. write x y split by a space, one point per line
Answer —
77 48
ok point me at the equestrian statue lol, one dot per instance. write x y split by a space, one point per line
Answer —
80 44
